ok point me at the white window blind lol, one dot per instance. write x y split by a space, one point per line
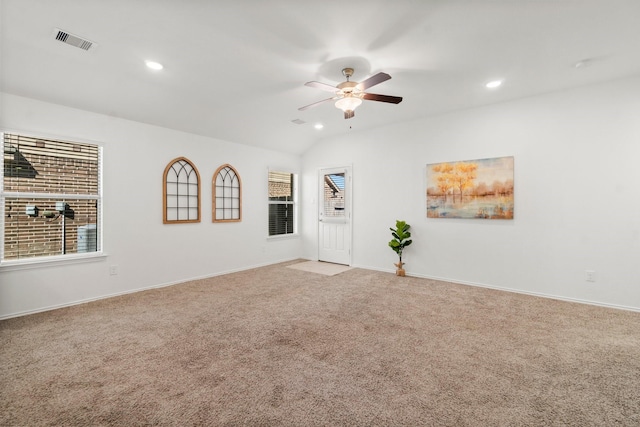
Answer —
282 203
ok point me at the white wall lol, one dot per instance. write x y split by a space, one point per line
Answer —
146 252
577 194
577 200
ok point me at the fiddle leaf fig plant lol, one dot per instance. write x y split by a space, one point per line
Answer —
401 239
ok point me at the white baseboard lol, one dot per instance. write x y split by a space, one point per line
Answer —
385 270
505 289
131 291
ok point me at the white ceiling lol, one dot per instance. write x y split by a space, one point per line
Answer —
235 69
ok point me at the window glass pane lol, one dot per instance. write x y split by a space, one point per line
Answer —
45 227
280 186
49 224
334 195
281 203
36 165
281 219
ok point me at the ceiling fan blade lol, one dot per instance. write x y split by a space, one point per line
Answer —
322 86
373 80
382 98
306 107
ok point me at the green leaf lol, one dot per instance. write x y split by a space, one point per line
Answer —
400 234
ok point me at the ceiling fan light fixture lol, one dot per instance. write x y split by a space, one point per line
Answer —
348 104
349 95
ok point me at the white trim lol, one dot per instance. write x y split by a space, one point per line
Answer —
49 261
52 136
283 236
237 270
504 289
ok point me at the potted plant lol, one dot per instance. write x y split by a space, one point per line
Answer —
400 241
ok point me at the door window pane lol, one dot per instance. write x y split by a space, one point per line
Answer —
334 195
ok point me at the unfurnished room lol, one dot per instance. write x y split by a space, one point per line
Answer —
305 213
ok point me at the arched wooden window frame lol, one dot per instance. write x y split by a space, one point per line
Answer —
226 199
189 195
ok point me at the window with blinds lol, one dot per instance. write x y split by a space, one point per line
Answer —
181 202
51 196
282 203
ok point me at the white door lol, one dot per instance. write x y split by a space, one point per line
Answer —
334 217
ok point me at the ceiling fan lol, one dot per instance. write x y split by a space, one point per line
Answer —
350 94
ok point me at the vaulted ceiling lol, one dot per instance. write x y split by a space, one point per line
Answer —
235 69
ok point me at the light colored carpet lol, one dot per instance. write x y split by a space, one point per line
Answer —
276 346
326 268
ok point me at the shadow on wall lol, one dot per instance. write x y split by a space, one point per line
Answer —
16 165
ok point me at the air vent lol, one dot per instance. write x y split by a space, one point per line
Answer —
298 121
72 40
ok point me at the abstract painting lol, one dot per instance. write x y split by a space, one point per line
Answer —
471 189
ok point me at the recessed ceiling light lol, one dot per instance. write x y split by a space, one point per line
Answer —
154 65
318 126
493 84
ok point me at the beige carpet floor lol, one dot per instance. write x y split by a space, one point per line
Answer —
277 346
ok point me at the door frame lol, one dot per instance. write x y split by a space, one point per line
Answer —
348 203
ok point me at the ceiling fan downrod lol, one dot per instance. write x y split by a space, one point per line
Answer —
347 72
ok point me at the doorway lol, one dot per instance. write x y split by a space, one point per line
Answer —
334 216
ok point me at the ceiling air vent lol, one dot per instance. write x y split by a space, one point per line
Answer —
72 40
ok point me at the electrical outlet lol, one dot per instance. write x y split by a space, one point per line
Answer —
590 275
113 270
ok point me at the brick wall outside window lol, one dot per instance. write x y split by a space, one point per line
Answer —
33 165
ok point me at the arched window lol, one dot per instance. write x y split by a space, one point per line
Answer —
227 200
181 192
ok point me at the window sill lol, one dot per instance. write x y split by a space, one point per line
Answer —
26 264
284 236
